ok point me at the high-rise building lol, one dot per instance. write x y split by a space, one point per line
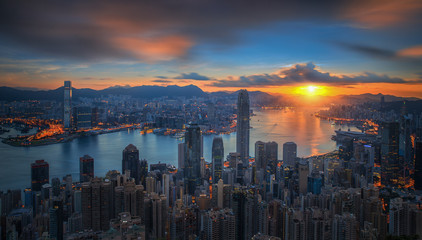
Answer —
83 117
181 155
56 219
86 168
289 153
192 170
131 162
242 131
418 165
96 204
143 172
40 174
390 162
271 152
303 170
67 105
217 158
260 157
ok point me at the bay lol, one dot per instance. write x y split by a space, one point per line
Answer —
312 136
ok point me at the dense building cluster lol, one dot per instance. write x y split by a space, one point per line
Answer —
361 191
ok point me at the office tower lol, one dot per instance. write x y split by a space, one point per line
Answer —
96 204
143 172
390 163
418 165
56 219
39 174
67 105
242 131
315 182
83 117
181 155
86 168
28 196
55 184
289 153
260 156
131 162
217 158
192 170
303 170
271 153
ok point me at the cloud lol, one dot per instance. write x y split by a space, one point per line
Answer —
304 73
166 30
161 81
415 51
161 77
410 56
192 76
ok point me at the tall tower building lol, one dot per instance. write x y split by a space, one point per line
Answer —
289 153
271 152
67 105
96 204
390 161
131 162
40 174
192 170
56 219
86 168
260 158
217 159
143 172
418 165
181 155
242 135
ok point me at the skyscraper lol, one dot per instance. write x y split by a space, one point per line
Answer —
217 158
192 170
390 164
260 158
96 204
86 168
56 219
181 155
131 162
40 174
67 105
418 165
289 153
271 152
242 137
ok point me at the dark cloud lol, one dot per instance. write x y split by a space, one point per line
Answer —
161 81
304 73
166 30
192 76
161 77
383 54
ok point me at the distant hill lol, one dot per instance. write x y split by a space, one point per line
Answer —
12 94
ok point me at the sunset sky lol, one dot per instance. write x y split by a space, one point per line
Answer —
336 47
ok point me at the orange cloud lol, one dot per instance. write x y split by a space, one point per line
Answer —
155 49
415 51
381 13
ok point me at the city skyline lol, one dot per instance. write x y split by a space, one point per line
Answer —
329 48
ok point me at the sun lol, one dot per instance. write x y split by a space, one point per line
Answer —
310 90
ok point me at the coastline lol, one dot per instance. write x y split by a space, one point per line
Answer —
59 138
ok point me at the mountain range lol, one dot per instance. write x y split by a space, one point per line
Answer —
171 91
